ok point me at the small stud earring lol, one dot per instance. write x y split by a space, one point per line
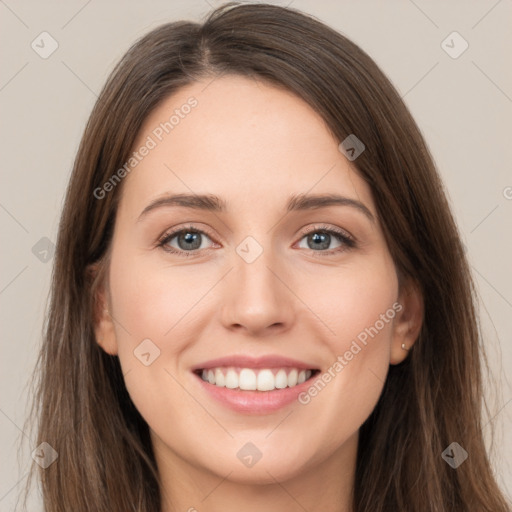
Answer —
404 347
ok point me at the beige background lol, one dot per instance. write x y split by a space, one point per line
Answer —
463 107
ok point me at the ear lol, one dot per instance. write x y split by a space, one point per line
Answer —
103 322
408 321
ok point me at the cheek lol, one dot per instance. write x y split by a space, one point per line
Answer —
152 302
356 303
359 306
151 310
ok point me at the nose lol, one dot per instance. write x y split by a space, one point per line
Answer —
258 297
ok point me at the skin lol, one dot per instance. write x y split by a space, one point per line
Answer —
253 145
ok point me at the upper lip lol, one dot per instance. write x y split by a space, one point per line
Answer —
243 361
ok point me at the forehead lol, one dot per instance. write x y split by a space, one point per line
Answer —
244 140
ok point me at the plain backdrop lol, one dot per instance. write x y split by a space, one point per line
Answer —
462 103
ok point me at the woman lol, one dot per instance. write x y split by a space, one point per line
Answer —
260 297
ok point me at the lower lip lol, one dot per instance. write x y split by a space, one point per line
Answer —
254 402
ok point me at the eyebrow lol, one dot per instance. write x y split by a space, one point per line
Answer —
297 202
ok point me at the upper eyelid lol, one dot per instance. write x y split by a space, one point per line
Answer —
172 233
319 227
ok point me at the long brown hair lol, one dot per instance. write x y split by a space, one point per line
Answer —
429 401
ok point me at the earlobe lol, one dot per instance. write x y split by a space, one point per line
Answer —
103 323
408 321
105 334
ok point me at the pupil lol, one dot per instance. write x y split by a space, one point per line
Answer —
320 240
190 238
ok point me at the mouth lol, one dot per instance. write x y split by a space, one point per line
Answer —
255 379
254 385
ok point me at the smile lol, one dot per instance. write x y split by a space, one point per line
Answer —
249 379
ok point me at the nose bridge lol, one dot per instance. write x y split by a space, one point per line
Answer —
257 297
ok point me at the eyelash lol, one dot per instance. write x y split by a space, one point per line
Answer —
347 240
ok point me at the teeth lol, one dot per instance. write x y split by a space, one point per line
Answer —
266 381
247 380
292 378
231 379
219 378
250 380
281 379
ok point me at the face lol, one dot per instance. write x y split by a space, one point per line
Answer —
288 306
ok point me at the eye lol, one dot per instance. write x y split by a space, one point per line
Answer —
189 241
183 241
320 238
